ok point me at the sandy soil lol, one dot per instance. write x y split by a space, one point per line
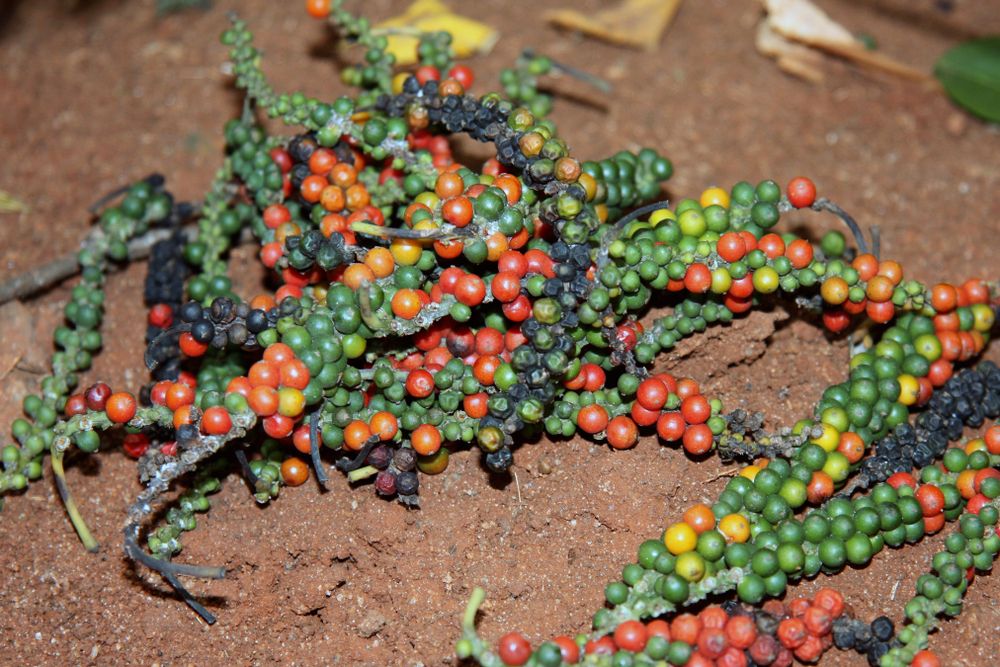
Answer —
95 94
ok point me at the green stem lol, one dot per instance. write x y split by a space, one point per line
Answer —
471 609
74 514
362 473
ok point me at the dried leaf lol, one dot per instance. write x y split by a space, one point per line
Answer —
638 23
803 22
11 204
468 37
970 73
793 58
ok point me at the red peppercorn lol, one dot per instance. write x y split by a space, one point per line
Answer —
900 479
731 657
764 650
592 418
831 600
698 278
97 396
836 320
697 439
631 636
190 347
75 405
568 648
652 394
161 316
603 646
506 286
622 432
670 426
463 74
595 377
427 73
514 649
136 444
731 247
931 499
628 334
741 631
696 409
216 421
642 416
810 650
925 658
470 290
792 633
818 621
120 407
801 192
419 383
798 607
712 642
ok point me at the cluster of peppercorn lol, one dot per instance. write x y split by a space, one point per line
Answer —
758 555
730 635
423 306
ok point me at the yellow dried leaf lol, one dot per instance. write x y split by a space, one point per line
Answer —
11 204
638 23
468 37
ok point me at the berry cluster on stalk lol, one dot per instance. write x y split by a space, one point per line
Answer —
414 305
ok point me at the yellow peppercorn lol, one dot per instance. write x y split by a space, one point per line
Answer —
405 251
714 196
909 389
982 317
690 565
680 538
829 439
735 527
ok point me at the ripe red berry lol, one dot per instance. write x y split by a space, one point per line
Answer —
161 316
120 407
514 649
136 444
216 421
801 192
97 396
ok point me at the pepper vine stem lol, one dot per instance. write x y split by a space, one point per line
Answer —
79 524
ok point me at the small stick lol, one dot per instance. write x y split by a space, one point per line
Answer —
612 234
824 204
58 270
165 567
154 179
370 229
196 606
587 77
348 465
321 475
251 478
873 60
151 362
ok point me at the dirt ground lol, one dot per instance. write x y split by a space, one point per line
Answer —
94 94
